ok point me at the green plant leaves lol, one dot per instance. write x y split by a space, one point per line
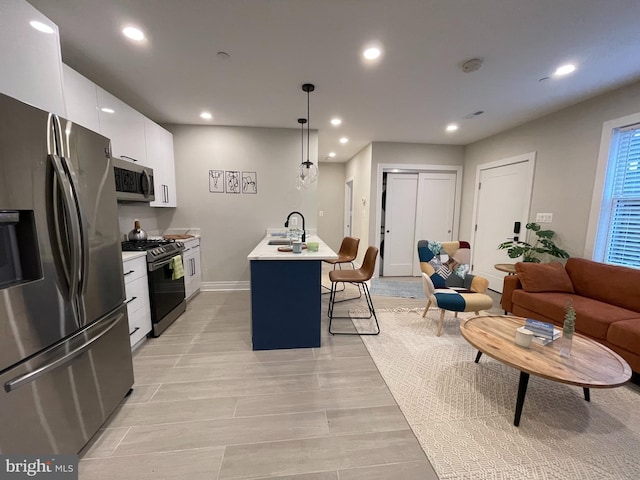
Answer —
543 245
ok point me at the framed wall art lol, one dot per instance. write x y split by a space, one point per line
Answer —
216 181
232 181
249 182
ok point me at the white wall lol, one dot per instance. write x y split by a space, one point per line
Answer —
358 169
233 224
331 202
567 144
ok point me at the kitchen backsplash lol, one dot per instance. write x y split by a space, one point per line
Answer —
128 212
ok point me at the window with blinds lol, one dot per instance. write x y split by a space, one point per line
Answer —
623 239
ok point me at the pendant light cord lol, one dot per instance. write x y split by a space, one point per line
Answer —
308 125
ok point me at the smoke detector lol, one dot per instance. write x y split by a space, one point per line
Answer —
471 65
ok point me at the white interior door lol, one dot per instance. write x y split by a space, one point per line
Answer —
503 198
434 211
348 208
400 217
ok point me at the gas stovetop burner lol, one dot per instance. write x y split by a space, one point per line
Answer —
156 249
142 245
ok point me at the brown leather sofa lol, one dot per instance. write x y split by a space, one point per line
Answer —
606 299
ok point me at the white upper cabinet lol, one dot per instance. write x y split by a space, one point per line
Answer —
30 59
81 97
124 126
159 144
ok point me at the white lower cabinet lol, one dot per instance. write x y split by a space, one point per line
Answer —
192 272
137 293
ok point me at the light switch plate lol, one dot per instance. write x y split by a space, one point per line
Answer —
294 221
544 217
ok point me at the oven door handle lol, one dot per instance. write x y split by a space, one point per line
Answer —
158 265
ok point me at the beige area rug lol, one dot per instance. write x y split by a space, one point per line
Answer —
462 412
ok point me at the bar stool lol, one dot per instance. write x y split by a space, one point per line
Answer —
357 277
347 254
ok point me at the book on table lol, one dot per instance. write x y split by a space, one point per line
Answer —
543 332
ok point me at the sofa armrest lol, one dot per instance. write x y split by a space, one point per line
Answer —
511 283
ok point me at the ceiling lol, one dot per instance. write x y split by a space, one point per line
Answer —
409 94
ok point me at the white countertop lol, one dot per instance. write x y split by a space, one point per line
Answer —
131 255
264 251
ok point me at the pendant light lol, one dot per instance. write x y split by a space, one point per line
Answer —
308 171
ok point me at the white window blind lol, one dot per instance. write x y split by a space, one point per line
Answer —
623 241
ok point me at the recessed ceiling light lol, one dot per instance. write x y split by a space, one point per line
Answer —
133 33
108 110
564 70
335 122
332 154
372 53
452 127
206 115
344 140
41 27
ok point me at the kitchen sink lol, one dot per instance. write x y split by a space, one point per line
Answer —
279 241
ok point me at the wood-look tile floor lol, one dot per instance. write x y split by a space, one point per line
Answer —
205 406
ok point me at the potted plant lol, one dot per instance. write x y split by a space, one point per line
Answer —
542 245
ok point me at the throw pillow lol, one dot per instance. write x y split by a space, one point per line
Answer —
544 277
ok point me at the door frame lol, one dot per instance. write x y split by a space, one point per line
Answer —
530 158
414 168
348 207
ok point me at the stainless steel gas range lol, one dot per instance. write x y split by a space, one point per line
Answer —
166 288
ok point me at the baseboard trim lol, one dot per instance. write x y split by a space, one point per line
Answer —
224 286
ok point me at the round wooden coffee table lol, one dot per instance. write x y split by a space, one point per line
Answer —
591 364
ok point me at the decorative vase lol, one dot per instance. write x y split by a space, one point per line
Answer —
568 328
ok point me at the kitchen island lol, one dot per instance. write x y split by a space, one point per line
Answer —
286 295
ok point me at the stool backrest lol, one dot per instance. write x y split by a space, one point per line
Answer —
349 249
369 262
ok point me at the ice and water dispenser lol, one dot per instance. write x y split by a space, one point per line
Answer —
19 258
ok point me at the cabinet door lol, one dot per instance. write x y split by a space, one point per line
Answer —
31 61
124 126
81 98
160 155
191 260
168 168
197 273
153 142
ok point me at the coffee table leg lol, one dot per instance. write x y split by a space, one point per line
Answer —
478 356
587 395
522 391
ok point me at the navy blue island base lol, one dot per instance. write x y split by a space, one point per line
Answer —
286 300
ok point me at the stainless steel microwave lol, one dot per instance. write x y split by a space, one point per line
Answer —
134 183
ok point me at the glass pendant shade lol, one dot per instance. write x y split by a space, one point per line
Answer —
307 173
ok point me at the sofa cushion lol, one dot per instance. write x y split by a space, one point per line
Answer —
625 334
544 277
593 318
606 283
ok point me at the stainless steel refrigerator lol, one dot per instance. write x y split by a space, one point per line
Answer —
65 359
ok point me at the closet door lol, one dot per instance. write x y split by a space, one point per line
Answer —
434 210
399 231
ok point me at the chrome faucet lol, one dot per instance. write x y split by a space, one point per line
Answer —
286 224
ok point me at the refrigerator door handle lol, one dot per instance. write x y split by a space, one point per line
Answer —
82 234
22 380
62 183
